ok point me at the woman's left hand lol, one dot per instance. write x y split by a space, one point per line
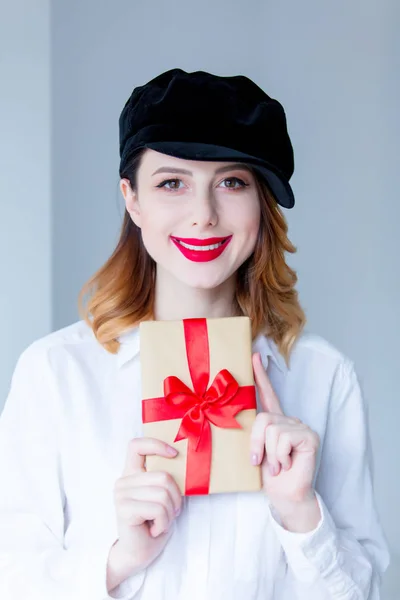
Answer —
285 447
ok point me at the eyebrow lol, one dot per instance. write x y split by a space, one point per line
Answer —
241 166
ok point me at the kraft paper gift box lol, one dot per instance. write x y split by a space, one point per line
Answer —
198 395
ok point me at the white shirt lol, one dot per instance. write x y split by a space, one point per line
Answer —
64 432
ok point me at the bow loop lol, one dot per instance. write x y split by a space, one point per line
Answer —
223 388
214 406
176 393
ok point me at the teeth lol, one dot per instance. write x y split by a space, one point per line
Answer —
190 247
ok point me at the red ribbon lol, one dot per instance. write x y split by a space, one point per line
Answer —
217 404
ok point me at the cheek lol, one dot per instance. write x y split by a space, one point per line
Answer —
154 220
156 226
248 220
248 228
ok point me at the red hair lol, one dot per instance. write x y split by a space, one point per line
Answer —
121 293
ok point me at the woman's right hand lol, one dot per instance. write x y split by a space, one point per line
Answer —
146 504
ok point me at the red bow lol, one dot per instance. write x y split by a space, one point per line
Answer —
218 404
214 405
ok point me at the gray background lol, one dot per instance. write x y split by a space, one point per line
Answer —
65 74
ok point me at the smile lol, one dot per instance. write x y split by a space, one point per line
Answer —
198 250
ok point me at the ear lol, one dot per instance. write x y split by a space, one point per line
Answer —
131 201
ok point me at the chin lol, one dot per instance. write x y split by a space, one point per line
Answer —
205 281
202 285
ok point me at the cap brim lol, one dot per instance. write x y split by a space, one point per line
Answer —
277 183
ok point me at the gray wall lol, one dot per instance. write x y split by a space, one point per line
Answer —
25 232
334 66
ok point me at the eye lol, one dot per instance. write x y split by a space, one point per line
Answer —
235 179
167 181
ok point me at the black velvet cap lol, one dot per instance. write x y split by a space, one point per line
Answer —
201 116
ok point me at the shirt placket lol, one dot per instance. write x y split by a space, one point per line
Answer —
195 585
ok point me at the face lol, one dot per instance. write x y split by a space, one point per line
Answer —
199 219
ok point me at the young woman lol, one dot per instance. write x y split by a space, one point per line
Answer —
205 167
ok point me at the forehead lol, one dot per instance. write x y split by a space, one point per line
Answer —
153 162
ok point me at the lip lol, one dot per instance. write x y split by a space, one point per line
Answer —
201 255
203 242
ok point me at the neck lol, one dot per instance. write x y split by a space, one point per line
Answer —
175 301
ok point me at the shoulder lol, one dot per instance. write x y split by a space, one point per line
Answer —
76 334
315 350
71 340
319 364
315 364
321 380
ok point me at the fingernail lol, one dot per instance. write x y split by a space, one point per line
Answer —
254 459
273 470
171 451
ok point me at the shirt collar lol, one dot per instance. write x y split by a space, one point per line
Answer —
130 348
268 348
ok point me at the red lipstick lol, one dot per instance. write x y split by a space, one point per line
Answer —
195 253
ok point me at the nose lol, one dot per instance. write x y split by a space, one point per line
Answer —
204 212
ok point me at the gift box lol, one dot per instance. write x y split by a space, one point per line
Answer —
198 395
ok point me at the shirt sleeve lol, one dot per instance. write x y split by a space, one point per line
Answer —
345 556
34 563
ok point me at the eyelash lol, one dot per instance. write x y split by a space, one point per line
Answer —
242 183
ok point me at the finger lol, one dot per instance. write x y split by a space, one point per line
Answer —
154 478
269 400
154 494
284 448
282 440
142 511
139 448
258 433
271 442
299 439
